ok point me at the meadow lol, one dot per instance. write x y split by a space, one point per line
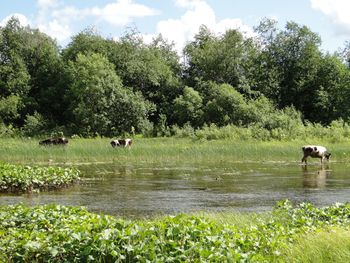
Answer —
163 150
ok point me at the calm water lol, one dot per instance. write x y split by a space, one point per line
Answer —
138 191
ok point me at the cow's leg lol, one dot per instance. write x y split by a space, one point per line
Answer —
304 159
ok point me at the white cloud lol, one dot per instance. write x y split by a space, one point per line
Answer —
197 13
48 3
56 30
121 12
22 19
57 19
118 13
337 11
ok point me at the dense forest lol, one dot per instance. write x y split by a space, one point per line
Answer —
98 86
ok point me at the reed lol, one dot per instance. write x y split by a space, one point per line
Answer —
161 151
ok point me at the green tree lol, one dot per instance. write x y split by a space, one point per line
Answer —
14 76
87 42
222 59
99 102
223 104
31 74
289 62
49 80
188 108
154 69
266 73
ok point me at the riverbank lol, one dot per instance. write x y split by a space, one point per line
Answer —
163 150
58 233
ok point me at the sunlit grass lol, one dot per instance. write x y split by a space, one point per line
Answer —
160 150
328 245
236 218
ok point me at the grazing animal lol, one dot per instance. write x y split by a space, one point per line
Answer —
121 143
54 141
315 151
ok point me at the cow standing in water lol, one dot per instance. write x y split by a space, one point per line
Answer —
54 141
121 143
315 151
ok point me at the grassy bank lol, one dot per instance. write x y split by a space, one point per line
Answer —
163 150
55 233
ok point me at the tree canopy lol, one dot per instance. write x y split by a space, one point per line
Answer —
97 85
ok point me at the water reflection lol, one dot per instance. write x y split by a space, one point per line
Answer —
315 178
146 190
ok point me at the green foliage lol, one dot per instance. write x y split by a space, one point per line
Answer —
153 70
86 42
14 76
33 124
18 178
221 59
186 131
116 110
32 75
7 130
188 108
57 233
9 107
225 106
101 86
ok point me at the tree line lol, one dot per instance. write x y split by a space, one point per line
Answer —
100 86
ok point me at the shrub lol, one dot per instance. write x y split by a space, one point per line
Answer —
33 124
7 130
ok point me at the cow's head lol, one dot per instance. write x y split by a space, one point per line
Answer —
114 143
62 140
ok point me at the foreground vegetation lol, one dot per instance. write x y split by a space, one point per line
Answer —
19 178
54 233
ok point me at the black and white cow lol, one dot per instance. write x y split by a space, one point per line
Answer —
54 141
315 151
121 143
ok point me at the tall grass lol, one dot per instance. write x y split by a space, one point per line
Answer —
328 245
163 150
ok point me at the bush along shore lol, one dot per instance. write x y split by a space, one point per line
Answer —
55 233
19 178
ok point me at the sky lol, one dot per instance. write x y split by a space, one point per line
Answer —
178 20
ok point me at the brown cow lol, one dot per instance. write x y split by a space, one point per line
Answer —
121 143
54 141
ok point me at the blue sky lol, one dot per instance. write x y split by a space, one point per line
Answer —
179 20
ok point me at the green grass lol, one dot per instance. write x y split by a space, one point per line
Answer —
54 233
162 150
324 246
